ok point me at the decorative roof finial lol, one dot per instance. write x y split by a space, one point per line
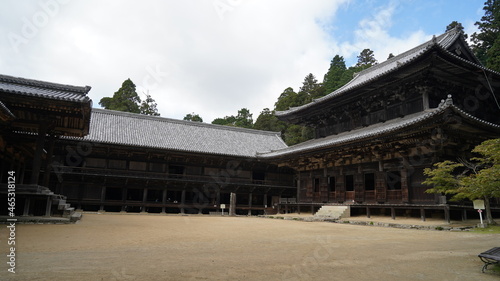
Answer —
449 100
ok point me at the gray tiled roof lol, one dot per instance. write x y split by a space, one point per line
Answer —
368 75
114 127
377 130
29 87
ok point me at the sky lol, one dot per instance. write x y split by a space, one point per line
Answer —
210 57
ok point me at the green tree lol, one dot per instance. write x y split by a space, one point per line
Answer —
366 59
489 28
125 99
267 121
456 24
310 90
149 106
286 100
334 78
479 180
193 117
242 120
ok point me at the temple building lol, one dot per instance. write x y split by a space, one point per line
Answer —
374 137
376 134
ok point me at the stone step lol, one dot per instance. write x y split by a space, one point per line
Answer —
68 212
76 216
63 206
333 212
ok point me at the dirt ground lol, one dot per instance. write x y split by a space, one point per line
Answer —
149 247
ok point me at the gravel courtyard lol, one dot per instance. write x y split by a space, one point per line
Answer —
149 247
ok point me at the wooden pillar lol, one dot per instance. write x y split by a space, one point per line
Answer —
183 200
48 164
422 214
103 198
124 199
464 215
37 157
393 213
48 207
404 186
164 201
368 214
249 204
27 202
144 199
232 204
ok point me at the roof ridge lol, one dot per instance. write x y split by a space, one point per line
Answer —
185 122
44 84
434 41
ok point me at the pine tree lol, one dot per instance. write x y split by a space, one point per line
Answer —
193 117
489 28
125 99
333 79
149 106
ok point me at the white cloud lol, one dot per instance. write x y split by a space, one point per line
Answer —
189 55
208 64
373 32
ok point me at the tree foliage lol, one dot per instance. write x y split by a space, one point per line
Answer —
480 179
126 99
242 120
456 24
366 59
193 117
335 77
267 121
486 45
149 106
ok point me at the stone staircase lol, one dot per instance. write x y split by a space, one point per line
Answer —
333 212
65 209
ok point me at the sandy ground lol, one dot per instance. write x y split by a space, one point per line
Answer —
148 247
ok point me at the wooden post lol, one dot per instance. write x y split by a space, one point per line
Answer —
103 198
27 203
164 201
422 214
37 157
368 212
464 215
183 200
249 204
124 200
48 207
232 204
144 199
393 213
48 165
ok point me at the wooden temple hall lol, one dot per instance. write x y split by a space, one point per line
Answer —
374 137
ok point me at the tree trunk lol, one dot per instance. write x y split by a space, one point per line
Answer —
489 217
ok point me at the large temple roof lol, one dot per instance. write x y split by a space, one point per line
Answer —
35 88
122 128
380 130
451 42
